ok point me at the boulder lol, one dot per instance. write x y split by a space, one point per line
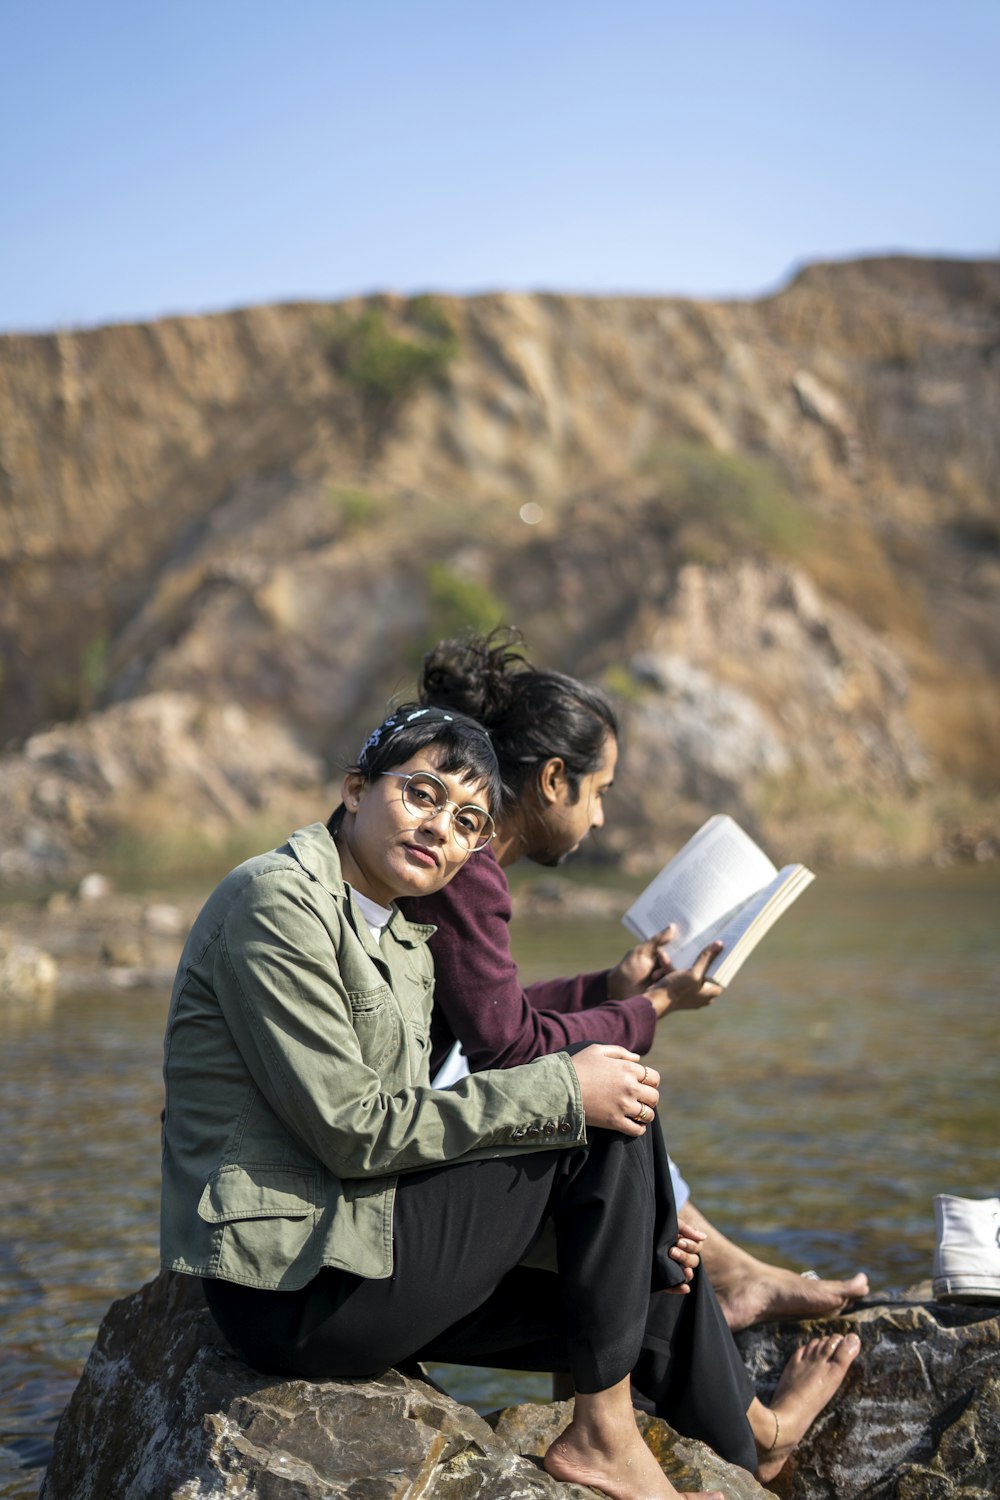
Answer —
151 765
918 1416
165 1411
790 659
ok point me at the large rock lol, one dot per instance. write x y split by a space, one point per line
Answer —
918 1416
794 660
156 763
759 696
164 1411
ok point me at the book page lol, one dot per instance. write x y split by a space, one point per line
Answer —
759 915
715 872
744 930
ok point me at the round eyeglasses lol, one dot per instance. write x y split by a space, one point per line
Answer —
424 795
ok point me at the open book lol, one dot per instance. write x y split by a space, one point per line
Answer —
720 885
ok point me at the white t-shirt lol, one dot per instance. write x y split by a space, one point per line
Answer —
376 916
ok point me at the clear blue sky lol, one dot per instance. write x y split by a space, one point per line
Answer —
185 157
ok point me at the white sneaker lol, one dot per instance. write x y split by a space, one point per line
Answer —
967 1253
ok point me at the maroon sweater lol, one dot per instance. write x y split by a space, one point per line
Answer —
479 998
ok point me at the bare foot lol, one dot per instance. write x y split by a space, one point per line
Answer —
756 1292
751 1291
808 1382
626 1471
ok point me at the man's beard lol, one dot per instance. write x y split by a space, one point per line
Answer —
550 858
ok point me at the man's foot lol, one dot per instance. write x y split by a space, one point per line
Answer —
756 1293
624 1469
751 1291
808 1382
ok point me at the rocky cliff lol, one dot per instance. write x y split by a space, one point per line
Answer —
770 527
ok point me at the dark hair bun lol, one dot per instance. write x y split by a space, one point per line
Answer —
532 715
472 674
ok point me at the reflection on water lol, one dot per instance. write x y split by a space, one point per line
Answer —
849 1073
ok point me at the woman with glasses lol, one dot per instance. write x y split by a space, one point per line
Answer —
556 740
345 1216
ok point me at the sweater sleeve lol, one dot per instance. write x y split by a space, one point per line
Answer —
478 996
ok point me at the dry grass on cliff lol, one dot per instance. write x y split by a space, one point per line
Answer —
723 504
957 716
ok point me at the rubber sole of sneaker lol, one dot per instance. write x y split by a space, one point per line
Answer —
966 1289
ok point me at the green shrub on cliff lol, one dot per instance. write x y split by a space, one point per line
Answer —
623 684
719 503
94 663
359 510
456 603
386 368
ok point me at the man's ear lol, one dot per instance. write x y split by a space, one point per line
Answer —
350 792
552 780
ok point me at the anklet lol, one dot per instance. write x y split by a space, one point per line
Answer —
777 1433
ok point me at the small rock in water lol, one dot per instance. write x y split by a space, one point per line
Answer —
26 972
121 951
164 919
94 887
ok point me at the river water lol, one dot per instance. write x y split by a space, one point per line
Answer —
849 1074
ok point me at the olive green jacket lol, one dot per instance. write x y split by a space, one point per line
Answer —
296 1069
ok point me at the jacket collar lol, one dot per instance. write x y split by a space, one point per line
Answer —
318 855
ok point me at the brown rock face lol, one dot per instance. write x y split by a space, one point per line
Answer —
794 496
163 760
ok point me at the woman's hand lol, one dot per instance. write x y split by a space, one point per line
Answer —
686 989
642 965
617 1088
687 1253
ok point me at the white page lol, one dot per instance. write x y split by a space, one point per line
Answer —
717 870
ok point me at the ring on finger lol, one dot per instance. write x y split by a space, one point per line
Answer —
645 1113
645 1073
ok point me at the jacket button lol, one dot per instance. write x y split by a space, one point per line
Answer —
534 1130
518 1134
564 1127
550 1127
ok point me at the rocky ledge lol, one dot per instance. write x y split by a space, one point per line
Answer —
165 1411
918 1417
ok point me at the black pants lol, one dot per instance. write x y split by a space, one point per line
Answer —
458 1293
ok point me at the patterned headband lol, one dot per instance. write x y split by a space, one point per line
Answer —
395 722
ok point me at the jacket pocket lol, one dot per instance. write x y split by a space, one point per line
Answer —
376 1023
264 1224
253 1191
